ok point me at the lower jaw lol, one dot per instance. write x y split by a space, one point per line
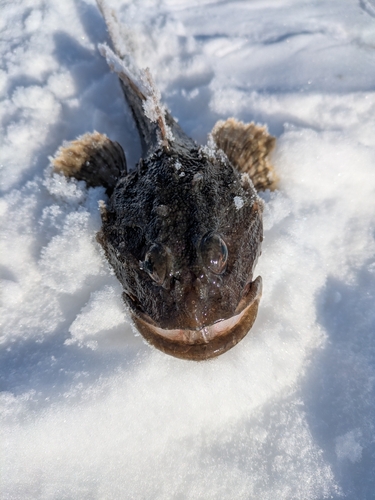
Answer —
207 343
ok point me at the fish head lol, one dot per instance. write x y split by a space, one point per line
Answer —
183 234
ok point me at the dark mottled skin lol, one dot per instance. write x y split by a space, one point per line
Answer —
155 204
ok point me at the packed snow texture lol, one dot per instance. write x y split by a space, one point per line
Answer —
88 411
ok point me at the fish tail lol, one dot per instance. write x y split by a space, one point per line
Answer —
139 90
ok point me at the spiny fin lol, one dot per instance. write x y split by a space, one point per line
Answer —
121 41
92 158
247 147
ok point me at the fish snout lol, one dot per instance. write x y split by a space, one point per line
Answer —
196 310
202 301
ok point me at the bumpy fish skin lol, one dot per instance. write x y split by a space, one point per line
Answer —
175 208
183 231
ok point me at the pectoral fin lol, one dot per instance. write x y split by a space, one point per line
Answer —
93 158
247 147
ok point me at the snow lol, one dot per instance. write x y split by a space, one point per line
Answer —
238 201
348 447
87 409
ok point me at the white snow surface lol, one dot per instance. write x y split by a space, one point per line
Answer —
88 411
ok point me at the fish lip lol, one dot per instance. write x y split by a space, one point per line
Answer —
209 341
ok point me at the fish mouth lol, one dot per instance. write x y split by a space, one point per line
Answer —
209 341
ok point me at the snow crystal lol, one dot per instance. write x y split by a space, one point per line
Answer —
71 257
103 313
153 107
347 446
238 201
210 149
120 66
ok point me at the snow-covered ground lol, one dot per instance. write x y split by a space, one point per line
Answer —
88 411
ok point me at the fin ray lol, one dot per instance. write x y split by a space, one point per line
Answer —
248 147
93 158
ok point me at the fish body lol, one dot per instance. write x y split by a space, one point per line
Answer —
183 231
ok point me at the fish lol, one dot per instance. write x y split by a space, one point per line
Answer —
183 229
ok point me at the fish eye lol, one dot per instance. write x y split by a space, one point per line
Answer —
155 263
214 253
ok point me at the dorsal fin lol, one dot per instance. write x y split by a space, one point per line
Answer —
155 124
